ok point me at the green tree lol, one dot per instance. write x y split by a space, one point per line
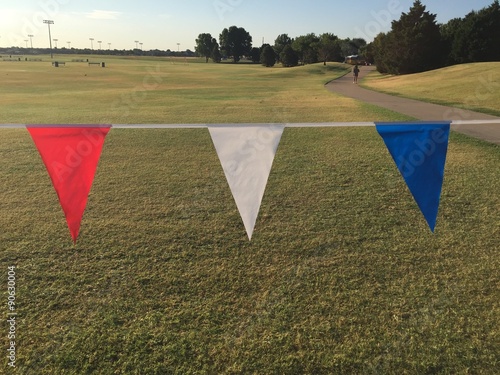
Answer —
306 47
205 45
255 54
268 56
351 46
383 56
368 52
451 35
216 55
486 33
416 39
289 57
328 48
281 42
474 38
236 42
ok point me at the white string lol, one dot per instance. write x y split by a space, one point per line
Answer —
289 125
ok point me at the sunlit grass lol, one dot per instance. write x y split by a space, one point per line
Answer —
342 274
172 91
470 86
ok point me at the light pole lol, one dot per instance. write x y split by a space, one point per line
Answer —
109 46
91 43
178 47
141 45
136 47
31 40
55 41
69 45
99 41
50 22
26 41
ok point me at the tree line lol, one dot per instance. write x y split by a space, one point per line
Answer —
16 51
415 43
235 43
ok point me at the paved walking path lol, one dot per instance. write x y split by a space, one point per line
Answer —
419 110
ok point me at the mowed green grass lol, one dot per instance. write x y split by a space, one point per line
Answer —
469 86
174 91
342 274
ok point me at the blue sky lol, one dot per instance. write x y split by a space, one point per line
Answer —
163 24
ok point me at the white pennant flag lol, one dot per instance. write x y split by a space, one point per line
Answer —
246 153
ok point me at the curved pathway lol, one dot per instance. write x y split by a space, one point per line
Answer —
419 110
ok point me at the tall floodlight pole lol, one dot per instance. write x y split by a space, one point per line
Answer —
99 41
26 41
50 22
55 41
69 45
178 47
31 40
141 45
136 46
109 46
91 43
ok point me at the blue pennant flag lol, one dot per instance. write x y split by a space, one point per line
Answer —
419 151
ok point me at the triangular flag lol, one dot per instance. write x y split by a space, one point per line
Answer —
419 151
246 153
71 154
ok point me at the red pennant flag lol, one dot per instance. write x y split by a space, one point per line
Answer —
71 154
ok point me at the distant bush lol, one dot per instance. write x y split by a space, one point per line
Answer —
268 56
289 57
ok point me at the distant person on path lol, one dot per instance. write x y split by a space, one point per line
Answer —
355 72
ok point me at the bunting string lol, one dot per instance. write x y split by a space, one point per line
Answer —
246 152
286 125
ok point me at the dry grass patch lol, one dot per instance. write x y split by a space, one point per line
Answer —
470 86
159 91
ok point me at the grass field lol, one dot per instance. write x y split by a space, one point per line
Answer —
173 91
469 86
342 275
